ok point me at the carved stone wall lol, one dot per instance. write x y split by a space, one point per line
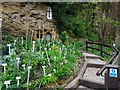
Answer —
20 18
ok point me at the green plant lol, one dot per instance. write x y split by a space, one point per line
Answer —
66 57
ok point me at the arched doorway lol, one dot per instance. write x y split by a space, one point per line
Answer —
48 36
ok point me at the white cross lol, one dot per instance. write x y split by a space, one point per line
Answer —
17 78
18 61
29 67
9 45
33 46
23 66
44 70
4 65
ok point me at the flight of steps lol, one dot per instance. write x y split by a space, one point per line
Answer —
89 80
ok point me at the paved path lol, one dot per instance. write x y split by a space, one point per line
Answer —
89 79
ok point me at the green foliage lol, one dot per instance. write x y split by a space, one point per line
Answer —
76 20
9 38
41 81
63 72
105 49
66 58
118 46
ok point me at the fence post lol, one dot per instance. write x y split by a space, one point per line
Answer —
112 77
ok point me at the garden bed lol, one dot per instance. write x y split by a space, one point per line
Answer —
52 64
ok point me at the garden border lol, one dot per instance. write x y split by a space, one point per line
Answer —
75 82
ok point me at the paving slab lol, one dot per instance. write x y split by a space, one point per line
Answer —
95 61
90 74
81 87
90 55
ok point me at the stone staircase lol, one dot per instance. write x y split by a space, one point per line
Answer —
89 79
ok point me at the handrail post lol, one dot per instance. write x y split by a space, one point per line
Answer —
112 77
101 48
86 46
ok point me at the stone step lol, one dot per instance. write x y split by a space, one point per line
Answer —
89 55
81 87
95 61
91 85
90 74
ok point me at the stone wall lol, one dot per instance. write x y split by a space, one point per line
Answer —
20 18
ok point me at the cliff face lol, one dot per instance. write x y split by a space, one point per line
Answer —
20 18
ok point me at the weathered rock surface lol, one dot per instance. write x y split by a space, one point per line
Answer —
18 17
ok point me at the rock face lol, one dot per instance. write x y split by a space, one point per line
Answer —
27 18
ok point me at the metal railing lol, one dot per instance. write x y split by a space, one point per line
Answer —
100 49
111 67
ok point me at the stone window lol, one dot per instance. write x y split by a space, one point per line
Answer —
39 34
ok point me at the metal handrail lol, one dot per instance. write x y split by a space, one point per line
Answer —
99 49
111 61
104 67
